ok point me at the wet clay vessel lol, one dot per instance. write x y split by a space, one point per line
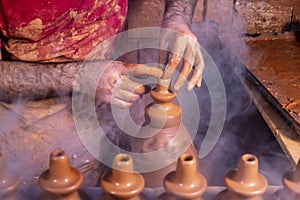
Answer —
61 181
185 182
121 182
291 183
162 131
9 182
244 182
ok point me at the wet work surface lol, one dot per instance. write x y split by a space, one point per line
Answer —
273 75
278 70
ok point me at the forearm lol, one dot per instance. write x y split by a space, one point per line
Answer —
180 11
35 81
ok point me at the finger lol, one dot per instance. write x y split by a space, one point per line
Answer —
175 58
165 39
139 69
132 86
199 81
162 57
163 48
200 65
171 66
194 80
186 69
120 103
197 74
125 95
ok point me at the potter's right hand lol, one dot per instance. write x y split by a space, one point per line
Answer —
178 44
116 87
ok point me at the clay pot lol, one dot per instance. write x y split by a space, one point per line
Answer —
244 182
121 182
9 182
163 112
291 183
61 181
185 182
163 117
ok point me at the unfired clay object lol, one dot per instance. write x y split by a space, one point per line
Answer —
163 117
121 182
244 182
61 181
8 182
163 113
185 182
291 183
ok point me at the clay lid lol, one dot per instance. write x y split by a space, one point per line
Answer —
245 180
185 182
60 178
121 181
291 179
8 181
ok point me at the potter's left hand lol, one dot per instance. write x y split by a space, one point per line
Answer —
182 45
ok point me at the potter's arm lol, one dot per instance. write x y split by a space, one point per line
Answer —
23 80
180 11
181 43
34 80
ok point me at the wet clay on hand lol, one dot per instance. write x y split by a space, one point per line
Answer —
179 44
117 87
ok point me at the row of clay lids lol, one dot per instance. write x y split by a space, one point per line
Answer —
62 181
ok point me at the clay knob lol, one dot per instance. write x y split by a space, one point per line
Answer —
291 182
121 182
245 181
185 182
8 181
61 179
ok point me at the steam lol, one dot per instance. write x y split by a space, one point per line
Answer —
245 130
31 130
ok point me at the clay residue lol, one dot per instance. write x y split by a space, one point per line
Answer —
34 111
29 131
263 16
33 30
275 63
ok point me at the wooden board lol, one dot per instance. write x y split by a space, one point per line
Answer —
286 136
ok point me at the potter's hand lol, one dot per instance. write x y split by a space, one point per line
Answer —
116 87
182 45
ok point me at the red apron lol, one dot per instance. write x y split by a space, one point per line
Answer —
58 30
